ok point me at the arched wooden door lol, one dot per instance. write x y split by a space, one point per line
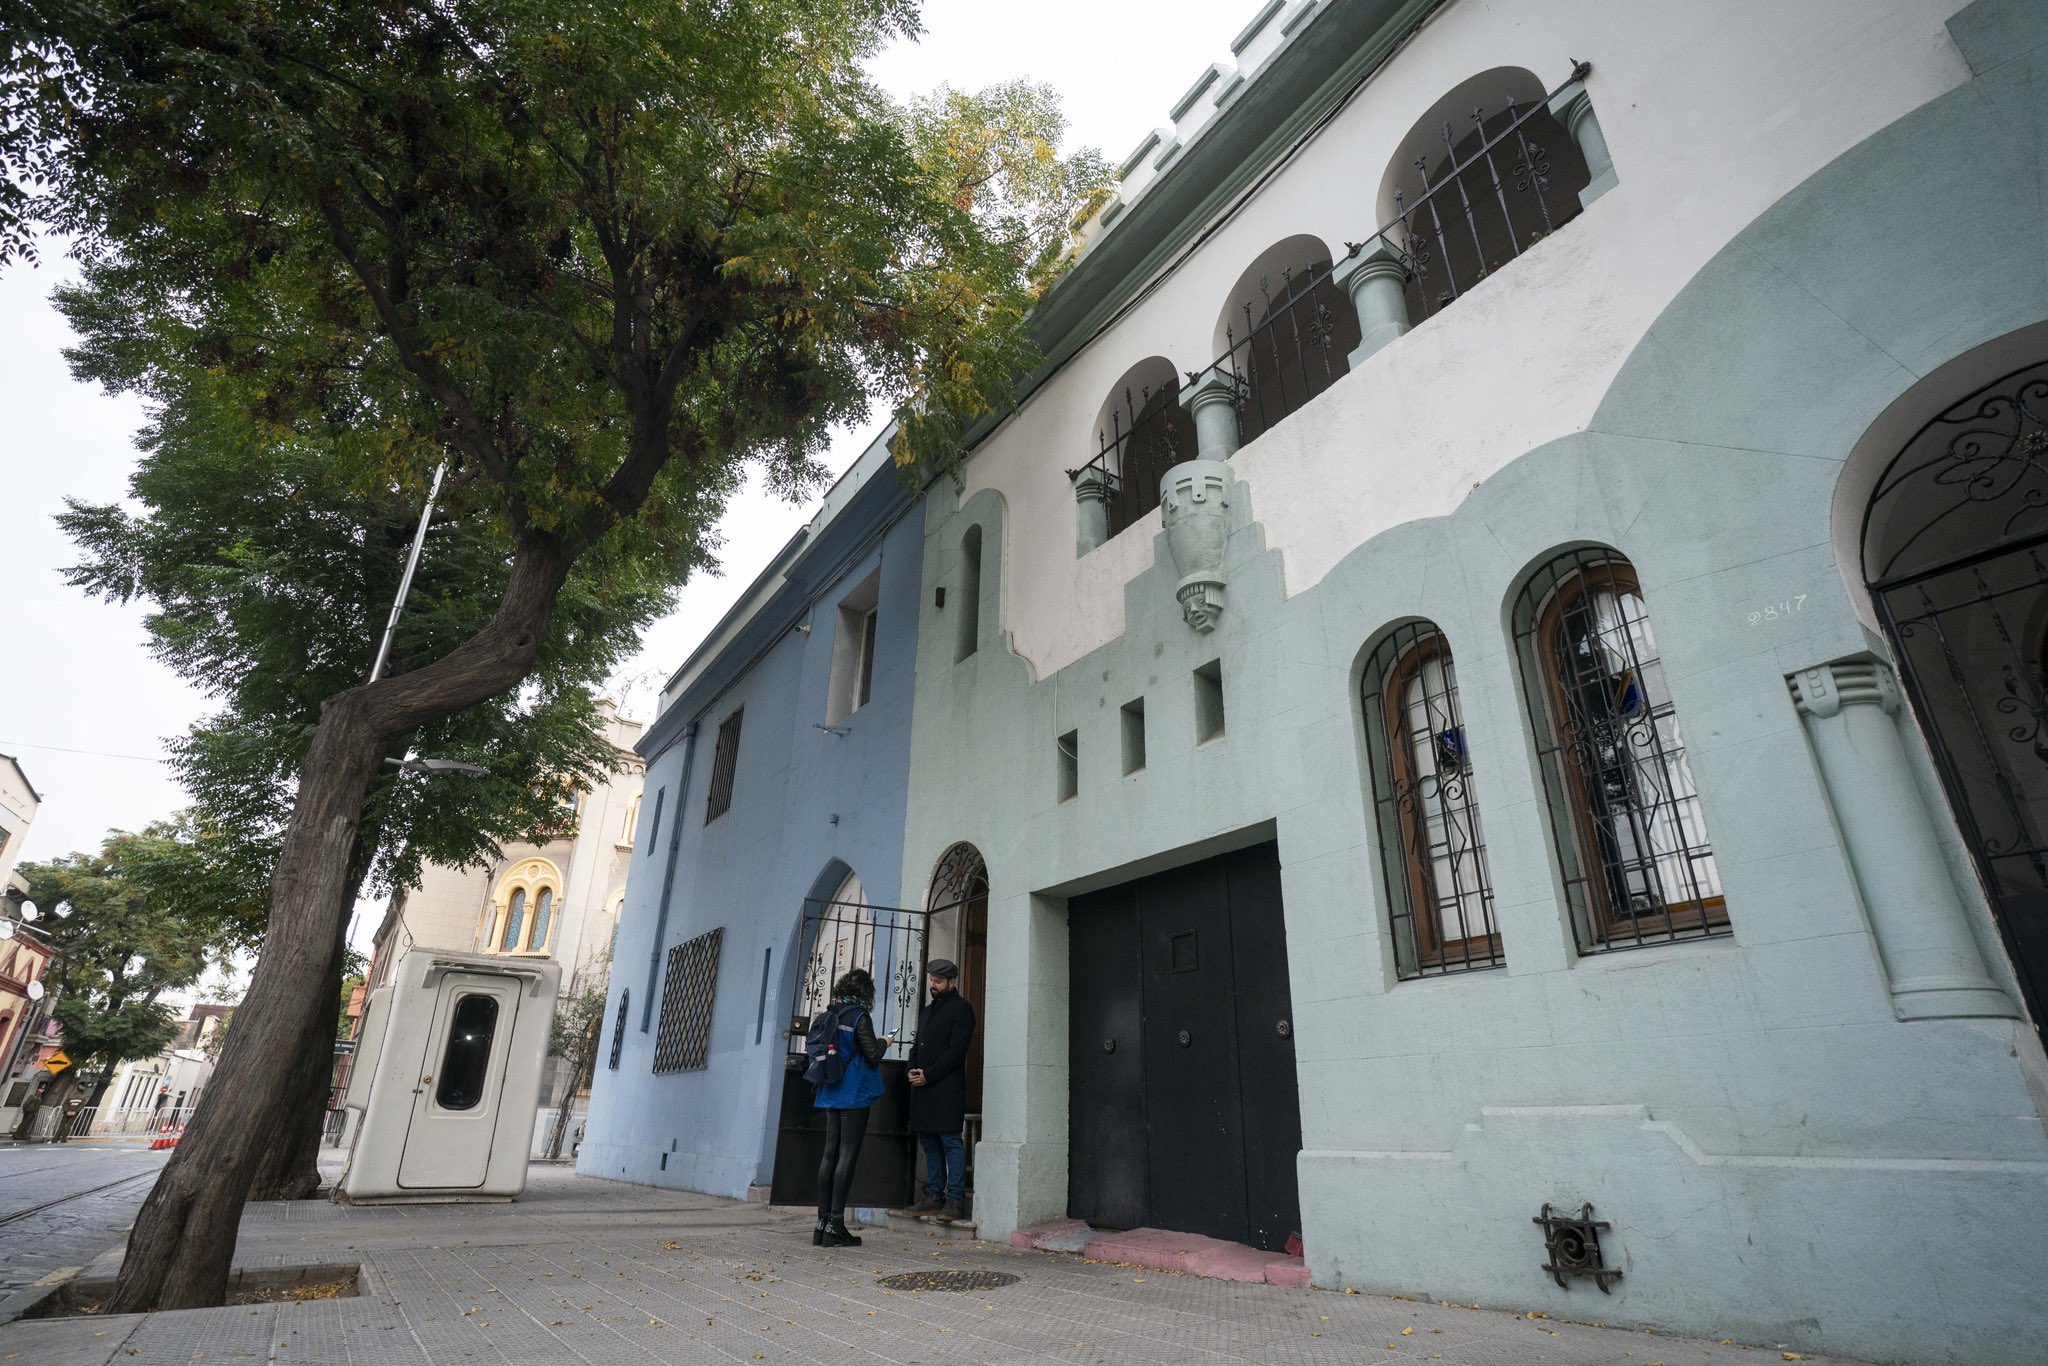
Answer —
1955 554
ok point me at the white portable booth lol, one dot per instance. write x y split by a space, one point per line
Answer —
447 1075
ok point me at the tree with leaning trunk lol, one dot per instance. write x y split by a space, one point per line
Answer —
606 255
269 562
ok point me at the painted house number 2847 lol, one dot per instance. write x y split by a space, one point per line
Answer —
1776 610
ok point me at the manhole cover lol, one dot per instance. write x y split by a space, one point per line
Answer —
948 1280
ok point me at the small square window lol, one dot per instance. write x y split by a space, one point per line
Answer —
1069 765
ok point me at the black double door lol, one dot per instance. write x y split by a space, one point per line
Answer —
1184 1112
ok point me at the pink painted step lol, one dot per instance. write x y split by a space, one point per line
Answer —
1191 1254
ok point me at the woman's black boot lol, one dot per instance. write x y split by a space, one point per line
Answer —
818 1233
837 1234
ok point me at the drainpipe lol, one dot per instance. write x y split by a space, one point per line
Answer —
668 878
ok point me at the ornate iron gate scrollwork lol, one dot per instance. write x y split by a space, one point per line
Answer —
1955 554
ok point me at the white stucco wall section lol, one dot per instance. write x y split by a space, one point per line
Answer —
1712 113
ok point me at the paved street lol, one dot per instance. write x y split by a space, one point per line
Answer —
61 1205
590 1271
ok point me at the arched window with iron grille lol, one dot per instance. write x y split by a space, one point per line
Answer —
1432 849
1625 813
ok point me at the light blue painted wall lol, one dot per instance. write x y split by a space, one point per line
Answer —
1784 1160
749 872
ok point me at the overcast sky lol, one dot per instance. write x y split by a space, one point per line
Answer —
84 706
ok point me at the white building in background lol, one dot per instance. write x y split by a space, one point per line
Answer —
558 900
18 804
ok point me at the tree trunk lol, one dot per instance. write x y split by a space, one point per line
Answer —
183 1242
290 1168
54 1097
579 1077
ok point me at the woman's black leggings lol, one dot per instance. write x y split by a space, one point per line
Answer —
844 1129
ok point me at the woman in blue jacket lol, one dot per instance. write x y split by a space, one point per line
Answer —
845 1103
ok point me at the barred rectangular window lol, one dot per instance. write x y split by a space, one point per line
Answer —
683 1043
619 1026
723 761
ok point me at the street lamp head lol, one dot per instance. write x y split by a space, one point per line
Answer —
439 768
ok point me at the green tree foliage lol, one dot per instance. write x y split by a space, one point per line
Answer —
149 913
604 257
270 573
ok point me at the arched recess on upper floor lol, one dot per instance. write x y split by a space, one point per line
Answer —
1484 174
1284 332
1141 431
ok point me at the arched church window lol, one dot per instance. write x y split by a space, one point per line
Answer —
1432 849
521 916
515 918
1626 817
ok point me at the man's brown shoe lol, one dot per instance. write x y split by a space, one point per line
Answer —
951 1211
925 1206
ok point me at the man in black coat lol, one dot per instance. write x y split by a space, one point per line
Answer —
938 1094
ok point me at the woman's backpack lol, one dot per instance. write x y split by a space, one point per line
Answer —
826 1059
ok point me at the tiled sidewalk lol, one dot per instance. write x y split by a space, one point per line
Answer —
588 1271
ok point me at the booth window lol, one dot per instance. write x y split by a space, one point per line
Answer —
683 1043
468 1059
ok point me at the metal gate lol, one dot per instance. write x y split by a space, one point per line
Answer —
890 942
1955 554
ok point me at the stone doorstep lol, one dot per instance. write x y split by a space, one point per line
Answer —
1191 1254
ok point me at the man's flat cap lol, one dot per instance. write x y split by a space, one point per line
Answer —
942 967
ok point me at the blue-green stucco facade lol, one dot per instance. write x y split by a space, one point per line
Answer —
1783 1158
1787 1150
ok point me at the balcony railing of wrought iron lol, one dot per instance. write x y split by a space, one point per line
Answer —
1516 184
1147 436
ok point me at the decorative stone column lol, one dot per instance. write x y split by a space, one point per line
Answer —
1091 502
1214 399
1377 281
1852 711
1194 501
1573 108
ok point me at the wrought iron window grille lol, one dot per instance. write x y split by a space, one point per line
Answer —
724 763
619 1030
1433 866
1572 1243
1497 189
683 1041
1626 820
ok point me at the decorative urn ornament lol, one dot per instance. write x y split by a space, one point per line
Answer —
1194 501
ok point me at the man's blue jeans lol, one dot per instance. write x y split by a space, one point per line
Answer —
945 1153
